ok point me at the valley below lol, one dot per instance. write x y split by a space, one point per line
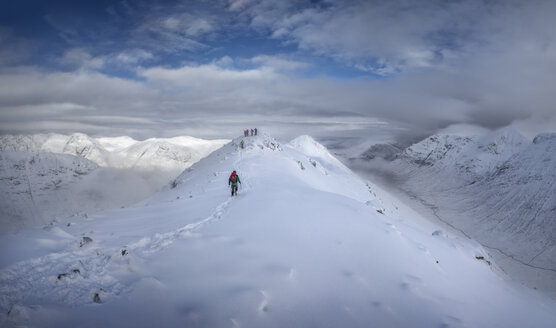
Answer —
498 189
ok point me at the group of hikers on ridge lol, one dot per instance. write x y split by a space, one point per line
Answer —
253 132
233 180
246 134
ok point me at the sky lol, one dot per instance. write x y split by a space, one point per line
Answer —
328 68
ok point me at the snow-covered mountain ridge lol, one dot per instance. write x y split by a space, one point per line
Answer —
500 189
41 182
306 243
471 156
172 154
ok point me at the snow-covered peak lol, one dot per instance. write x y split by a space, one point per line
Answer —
471 155
19 142
82 145
436 149
502 143
504 136
262 160
168 154
77 144
262 141
545 138
312 149
309 146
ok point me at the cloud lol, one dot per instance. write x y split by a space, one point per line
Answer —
211 73
212 67
26 112
133 56
79 58
388 37
79 101
175 27
383 36
217 97
165 40
235 5
464 130
279 63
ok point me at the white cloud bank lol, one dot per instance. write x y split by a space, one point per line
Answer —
486 64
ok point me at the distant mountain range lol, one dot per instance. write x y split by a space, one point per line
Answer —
46 177
120 152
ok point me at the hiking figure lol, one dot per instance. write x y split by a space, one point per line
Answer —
245 133
255 131
233 181
242 143
251 132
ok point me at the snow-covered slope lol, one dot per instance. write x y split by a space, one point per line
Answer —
500 189
169 154
304 244
515 206
38 188
465 157
32 183
40 185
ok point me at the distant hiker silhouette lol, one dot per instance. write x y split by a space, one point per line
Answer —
255 131
242 143
251 132
233 181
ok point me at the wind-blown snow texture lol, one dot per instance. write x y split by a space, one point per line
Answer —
48 177
304 244
500 189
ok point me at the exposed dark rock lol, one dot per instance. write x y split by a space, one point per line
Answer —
385 151
84 241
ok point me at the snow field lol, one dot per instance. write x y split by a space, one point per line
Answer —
302 245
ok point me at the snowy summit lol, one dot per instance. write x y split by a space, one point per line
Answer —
305 243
